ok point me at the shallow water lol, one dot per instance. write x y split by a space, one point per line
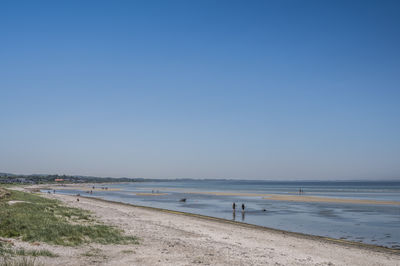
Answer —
373 224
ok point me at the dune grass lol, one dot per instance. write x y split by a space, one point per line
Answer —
6 251
22 261
35 253
45 220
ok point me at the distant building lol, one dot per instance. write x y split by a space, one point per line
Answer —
58 179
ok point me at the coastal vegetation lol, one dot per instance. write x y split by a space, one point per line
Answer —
34 218
6 178
29 217
21 261
6 249
21 256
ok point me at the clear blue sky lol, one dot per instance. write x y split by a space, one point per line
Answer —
201 89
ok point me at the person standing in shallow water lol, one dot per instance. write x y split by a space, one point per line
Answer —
242 207
234 207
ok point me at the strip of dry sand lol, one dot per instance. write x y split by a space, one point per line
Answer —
169 238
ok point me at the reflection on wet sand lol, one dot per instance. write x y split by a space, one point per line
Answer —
150 194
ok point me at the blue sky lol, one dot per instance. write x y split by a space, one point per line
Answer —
276 90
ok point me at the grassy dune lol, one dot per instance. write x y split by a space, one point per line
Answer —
33 218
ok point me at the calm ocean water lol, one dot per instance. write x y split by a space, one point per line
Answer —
373 224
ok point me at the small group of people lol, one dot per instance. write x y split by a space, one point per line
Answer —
104 188
234 207
301 191
234 212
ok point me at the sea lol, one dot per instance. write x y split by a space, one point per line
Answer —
366 223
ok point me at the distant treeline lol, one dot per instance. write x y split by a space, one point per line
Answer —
40 179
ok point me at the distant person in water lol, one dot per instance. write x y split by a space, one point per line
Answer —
234 207
242 207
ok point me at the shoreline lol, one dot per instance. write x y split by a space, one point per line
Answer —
168 237
257 227
351 237
266 196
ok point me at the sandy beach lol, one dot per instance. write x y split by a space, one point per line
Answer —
172 238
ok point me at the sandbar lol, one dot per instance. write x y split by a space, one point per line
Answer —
301 198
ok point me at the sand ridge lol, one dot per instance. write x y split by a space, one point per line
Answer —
299 198
303 198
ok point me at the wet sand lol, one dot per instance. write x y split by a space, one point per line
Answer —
150 194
